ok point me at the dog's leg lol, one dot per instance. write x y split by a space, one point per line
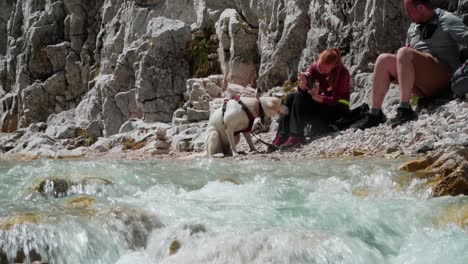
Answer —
213 143
248 138
232 140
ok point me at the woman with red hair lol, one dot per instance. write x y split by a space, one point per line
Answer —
322 97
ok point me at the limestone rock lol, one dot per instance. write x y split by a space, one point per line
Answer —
239 54
161 81
57 54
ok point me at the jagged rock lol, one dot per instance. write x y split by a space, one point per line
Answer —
160 82
37 104
238 49
73 69
238 90
57 54
455 183
179 113
351 26
283 35
94 129
127 103
195 90
103 144
112 117
37 127
184 140
249 11
126 127
6 7
61 125
56 84
194 115
416 165
89 108
213 89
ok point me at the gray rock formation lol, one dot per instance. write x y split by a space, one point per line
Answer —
111 61
6 6
238 50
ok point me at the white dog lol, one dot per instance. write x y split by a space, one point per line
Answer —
222 132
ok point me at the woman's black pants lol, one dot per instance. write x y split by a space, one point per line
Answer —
305 110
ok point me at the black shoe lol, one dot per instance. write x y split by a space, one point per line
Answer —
403 115
369 121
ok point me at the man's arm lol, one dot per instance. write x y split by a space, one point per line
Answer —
457 30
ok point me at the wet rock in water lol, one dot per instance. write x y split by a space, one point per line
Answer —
415 165
455 214
96 180
229 179
31 256
447 173
9 222
81 202
455 183
22 255
195 228
174 247
137 225
81 206
54 186
57 187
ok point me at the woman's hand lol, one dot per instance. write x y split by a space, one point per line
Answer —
315 95
302 77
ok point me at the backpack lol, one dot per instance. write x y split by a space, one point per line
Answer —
459 81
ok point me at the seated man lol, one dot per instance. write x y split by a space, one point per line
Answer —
424 67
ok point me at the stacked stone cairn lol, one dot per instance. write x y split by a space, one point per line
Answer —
162 144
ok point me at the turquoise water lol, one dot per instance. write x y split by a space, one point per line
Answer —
220 211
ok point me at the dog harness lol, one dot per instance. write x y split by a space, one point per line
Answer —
247 112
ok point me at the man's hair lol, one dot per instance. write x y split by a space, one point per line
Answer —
426 3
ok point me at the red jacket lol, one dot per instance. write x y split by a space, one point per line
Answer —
341 89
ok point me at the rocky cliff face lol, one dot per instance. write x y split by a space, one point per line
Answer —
99 63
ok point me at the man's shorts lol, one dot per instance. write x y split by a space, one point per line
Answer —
432 77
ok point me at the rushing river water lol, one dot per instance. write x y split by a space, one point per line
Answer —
221 211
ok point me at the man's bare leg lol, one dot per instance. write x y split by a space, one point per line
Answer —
385 68
406 73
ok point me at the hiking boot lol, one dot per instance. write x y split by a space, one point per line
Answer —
403 115
369 121
293 141
277 142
